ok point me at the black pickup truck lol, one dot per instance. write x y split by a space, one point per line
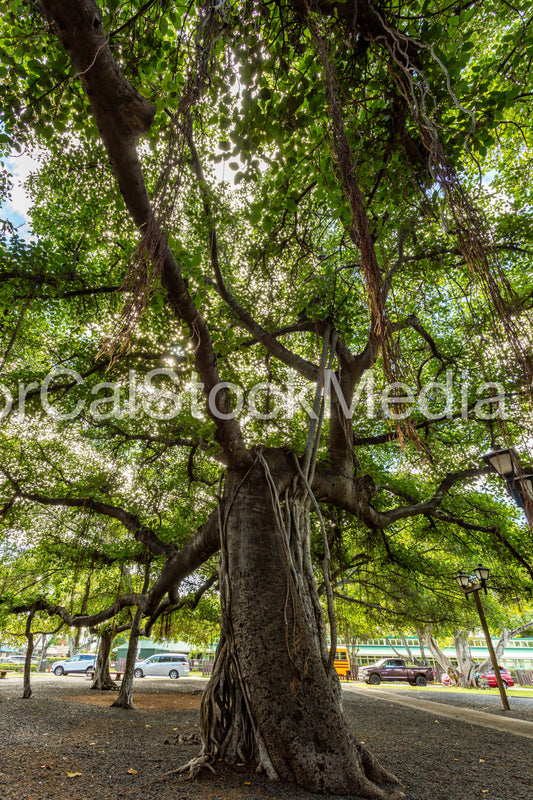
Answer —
395 669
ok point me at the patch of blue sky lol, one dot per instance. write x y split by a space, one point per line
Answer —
16 208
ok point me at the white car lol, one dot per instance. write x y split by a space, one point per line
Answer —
80 664
173 665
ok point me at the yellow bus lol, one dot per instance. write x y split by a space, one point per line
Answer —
341 663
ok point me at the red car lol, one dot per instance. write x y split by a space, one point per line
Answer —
506 677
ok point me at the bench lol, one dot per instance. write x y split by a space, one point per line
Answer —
118 675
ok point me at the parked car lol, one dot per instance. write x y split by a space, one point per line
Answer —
491 677
16 660
173 665
395 669
80 664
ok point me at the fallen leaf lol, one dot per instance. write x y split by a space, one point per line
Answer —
131 771
481 760
438 723
247 783
91 744
73 774
147 726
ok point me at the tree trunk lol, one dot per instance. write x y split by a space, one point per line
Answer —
125 695
26 690
422 649
44 649
102 678
442 659
410 656
467 678
273 698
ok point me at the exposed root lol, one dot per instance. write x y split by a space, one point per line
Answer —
125 704
191 738
370 791
373 769
107 686
193 767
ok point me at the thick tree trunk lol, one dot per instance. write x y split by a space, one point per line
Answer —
272 697
102 679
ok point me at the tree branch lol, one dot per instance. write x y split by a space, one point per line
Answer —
131 522
279 351
122 115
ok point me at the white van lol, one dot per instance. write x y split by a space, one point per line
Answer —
173 665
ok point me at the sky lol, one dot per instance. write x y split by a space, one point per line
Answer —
16 210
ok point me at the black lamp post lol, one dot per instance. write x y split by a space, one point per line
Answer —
519 481
463 579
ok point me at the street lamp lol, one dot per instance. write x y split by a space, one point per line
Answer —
482 574
463 579
505 462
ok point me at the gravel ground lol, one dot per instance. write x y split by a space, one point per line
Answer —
57 732
521 707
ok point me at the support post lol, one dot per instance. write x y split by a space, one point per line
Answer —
475 591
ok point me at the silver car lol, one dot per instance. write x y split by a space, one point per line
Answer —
80 664
173 665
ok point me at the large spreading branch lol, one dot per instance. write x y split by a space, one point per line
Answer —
179 562
353 496
131 522
122 115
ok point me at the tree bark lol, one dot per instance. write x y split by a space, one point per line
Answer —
27 690
422 649
44 649
467 678
442 659
273 697
102 679
125 695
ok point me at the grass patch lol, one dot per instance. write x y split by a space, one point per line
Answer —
519 691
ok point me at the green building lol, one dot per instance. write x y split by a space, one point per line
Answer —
146 648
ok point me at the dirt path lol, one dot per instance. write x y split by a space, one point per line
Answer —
66 743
